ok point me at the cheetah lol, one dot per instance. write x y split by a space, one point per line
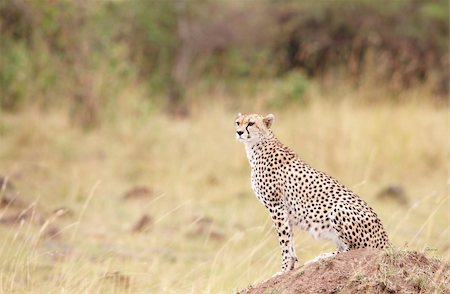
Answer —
295 194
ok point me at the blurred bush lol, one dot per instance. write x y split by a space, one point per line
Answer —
61 52
289 89
406 40
86 52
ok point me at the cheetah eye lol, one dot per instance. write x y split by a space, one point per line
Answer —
237 123
251 124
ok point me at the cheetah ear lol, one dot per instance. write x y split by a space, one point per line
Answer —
268 120
239 114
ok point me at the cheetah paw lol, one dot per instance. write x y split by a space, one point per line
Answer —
277 274
321 257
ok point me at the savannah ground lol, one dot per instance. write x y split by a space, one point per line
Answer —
206 232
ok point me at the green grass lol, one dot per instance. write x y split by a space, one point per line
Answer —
199 171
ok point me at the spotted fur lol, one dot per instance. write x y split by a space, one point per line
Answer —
296 194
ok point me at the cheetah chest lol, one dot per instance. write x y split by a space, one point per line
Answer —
257 186
264 185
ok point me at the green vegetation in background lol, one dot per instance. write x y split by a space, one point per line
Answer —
85 54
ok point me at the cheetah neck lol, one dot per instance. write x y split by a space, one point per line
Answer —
259 149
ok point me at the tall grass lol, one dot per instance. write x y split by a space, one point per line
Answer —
208 232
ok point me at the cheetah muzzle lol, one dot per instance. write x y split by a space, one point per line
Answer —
296 194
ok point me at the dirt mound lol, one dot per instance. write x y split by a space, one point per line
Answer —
364 271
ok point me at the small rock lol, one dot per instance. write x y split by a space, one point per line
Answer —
51 232
208 232
394 192
142 225
212 180
139 192
216 235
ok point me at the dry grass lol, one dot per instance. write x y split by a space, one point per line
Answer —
208 233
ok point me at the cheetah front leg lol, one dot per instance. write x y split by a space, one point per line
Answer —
341 247
284 230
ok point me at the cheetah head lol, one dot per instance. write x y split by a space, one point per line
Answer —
252 128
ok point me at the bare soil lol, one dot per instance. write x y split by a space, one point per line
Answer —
364 271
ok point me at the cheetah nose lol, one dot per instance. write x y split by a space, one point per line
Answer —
239 133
